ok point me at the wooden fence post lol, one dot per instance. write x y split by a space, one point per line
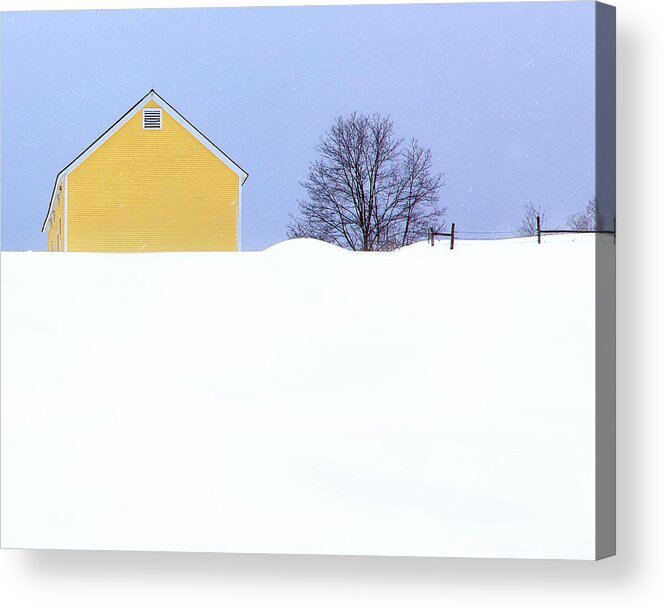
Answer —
452 236
431 236
538 226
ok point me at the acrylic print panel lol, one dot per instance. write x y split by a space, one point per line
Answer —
310 280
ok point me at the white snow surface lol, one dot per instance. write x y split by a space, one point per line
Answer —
303 399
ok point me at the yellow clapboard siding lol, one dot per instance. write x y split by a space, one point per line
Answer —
151 191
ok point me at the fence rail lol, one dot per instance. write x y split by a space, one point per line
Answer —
432 234
542 231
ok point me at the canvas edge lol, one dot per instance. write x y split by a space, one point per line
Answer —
605 280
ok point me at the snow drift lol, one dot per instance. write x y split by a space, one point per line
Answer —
304 399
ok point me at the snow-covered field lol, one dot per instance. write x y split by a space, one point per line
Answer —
304 399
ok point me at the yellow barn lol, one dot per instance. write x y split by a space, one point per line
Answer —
151 183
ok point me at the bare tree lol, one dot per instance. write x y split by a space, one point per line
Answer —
589 220
528 225
368 190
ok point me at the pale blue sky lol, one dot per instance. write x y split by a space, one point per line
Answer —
503 94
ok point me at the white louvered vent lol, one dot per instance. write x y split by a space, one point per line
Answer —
152 118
